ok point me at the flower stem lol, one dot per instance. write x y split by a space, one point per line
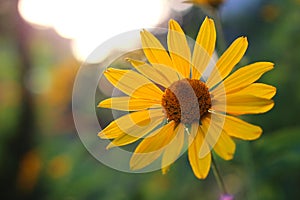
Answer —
218 177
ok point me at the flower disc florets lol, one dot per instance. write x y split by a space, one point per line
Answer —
186 101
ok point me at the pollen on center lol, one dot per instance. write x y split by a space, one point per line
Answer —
186 101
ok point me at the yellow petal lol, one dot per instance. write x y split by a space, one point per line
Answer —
173 150
227 61
133 84
243 77
200 166
129 103
127 123
255 89
179 49
204 47
161 72
135 63
171 74
225 146
157 140
154 50
212 129
194 131
217 138
155 75
238 128
164 170
135 134
245 104
152 147
141 160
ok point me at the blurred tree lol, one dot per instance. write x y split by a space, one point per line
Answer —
20 143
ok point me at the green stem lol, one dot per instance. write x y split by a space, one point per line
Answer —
218 177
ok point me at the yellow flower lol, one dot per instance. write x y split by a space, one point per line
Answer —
171 102
212 3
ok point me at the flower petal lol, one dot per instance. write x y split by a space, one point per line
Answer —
157 140
152 147
135 134
171 74
173 150
127 123
154 50
244 104
243 77
129 103
200 166
133 84
238 128
227 61
135 63
165 72
257 89
156 75
141 160
225 147
204 47
179 49
217 138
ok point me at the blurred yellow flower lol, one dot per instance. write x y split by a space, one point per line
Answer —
213 3
171 101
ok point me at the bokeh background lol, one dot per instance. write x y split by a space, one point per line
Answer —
42 45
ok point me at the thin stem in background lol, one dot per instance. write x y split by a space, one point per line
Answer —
218 176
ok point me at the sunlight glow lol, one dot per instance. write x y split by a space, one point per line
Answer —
90 22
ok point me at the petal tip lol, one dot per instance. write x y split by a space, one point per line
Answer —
174 25
245 39
171 20
100 104
143 32
133 165
102 135
165 170
228 156
201 176
110 145
259 133
208 19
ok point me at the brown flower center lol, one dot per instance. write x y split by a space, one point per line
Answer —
186 101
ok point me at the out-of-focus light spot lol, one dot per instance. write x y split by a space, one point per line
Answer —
62 79
36 12
29 171
90 22
59 166
270 12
